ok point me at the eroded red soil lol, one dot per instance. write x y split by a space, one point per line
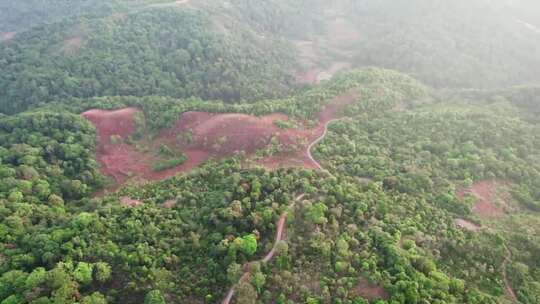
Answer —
6 36
122 161
72 44
467 225
485 194
201 136
129 202
370 291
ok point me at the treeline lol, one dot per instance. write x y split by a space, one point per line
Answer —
378 90
161 51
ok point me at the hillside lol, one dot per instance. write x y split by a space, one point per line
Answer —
458 44
174 51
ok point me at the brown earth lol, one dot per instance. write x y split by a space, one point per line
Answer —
466 225
213 136
72 45
123 161
226 134
485 194
301 157
169 204
6 36
129 202
370 291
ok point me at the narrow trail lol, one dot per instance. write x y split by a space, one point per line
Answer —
316 141
268 257
282 219
507 259
507 286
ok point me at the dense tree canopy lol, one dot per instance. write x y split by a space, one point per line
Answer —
155 51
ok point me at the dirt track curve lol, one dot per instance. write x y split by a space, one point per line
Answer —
507 259
283 217
316 141
269 255
509 290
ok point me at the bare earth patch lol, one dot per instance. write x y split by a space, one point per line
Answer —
485 194
129 202
229 133
369 291
6 36
72 45
201 136
464 224
169 204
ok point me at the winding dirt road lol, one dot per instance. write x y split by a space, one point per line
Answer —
269 255
319 139
507 259
507 286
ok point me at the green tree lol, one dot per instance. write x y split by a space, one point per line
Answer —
102 271
246 294
83 273
154 297
95 298
249 244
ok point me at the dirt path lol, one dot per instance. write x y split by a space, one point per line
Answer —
529 26
507 286
269 255
507 259
316 141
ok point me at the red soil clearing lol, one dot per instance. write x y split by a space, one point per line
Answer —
466 225
72 45
485 193
6 36
213 136
123 161
370 291
129 202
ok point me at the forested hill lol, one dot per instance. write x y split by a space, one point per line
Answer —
457 44
242 50
449 44
167 50
22 15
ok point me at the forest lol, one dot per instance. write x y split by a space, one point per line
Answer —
141 53
416 178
